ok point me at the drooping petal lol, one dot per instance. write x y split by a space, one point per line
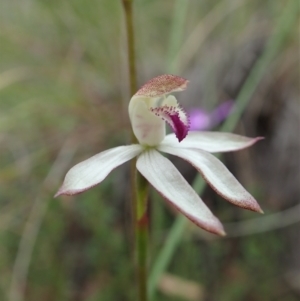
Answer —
95 169
174 115
217 175
168 181
161 85
212 142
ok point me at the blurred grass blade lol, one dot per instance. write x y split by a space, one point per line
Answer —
203 29
176 34
12 76
282 30
35 219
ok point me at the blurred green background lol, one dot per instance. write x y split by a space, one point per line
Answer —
64 96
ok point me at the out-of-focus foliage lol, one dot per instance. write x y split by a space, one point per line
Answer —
63 98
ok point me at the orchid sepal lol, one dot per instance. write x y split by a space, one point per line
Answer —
162 85
216 175
212 142
168 181
94 170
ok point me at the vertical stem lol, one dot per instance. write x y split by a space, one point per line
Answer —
138 184
141 241
142 235
127 5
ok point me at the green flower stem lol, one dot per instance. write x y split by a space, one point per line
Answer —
142 226
138 184
127 5
283 28
141 242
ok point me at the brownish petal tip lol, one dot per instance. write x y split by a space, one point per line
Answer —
260 211
254 206
222 233
162 84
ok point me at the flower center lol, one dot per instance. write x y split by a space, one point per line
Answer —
149 109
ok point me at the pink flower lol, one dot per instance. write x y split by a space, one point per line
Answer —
149 109
203 120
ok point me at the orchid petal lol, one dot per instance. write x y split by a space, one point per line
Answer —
217 175
168 181
148 128
212 142
95 169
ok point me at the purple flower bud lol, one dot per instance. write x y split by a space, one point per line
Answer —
199 120
203 120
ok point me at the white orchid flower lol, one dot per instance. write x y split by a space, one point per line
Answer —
149 109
